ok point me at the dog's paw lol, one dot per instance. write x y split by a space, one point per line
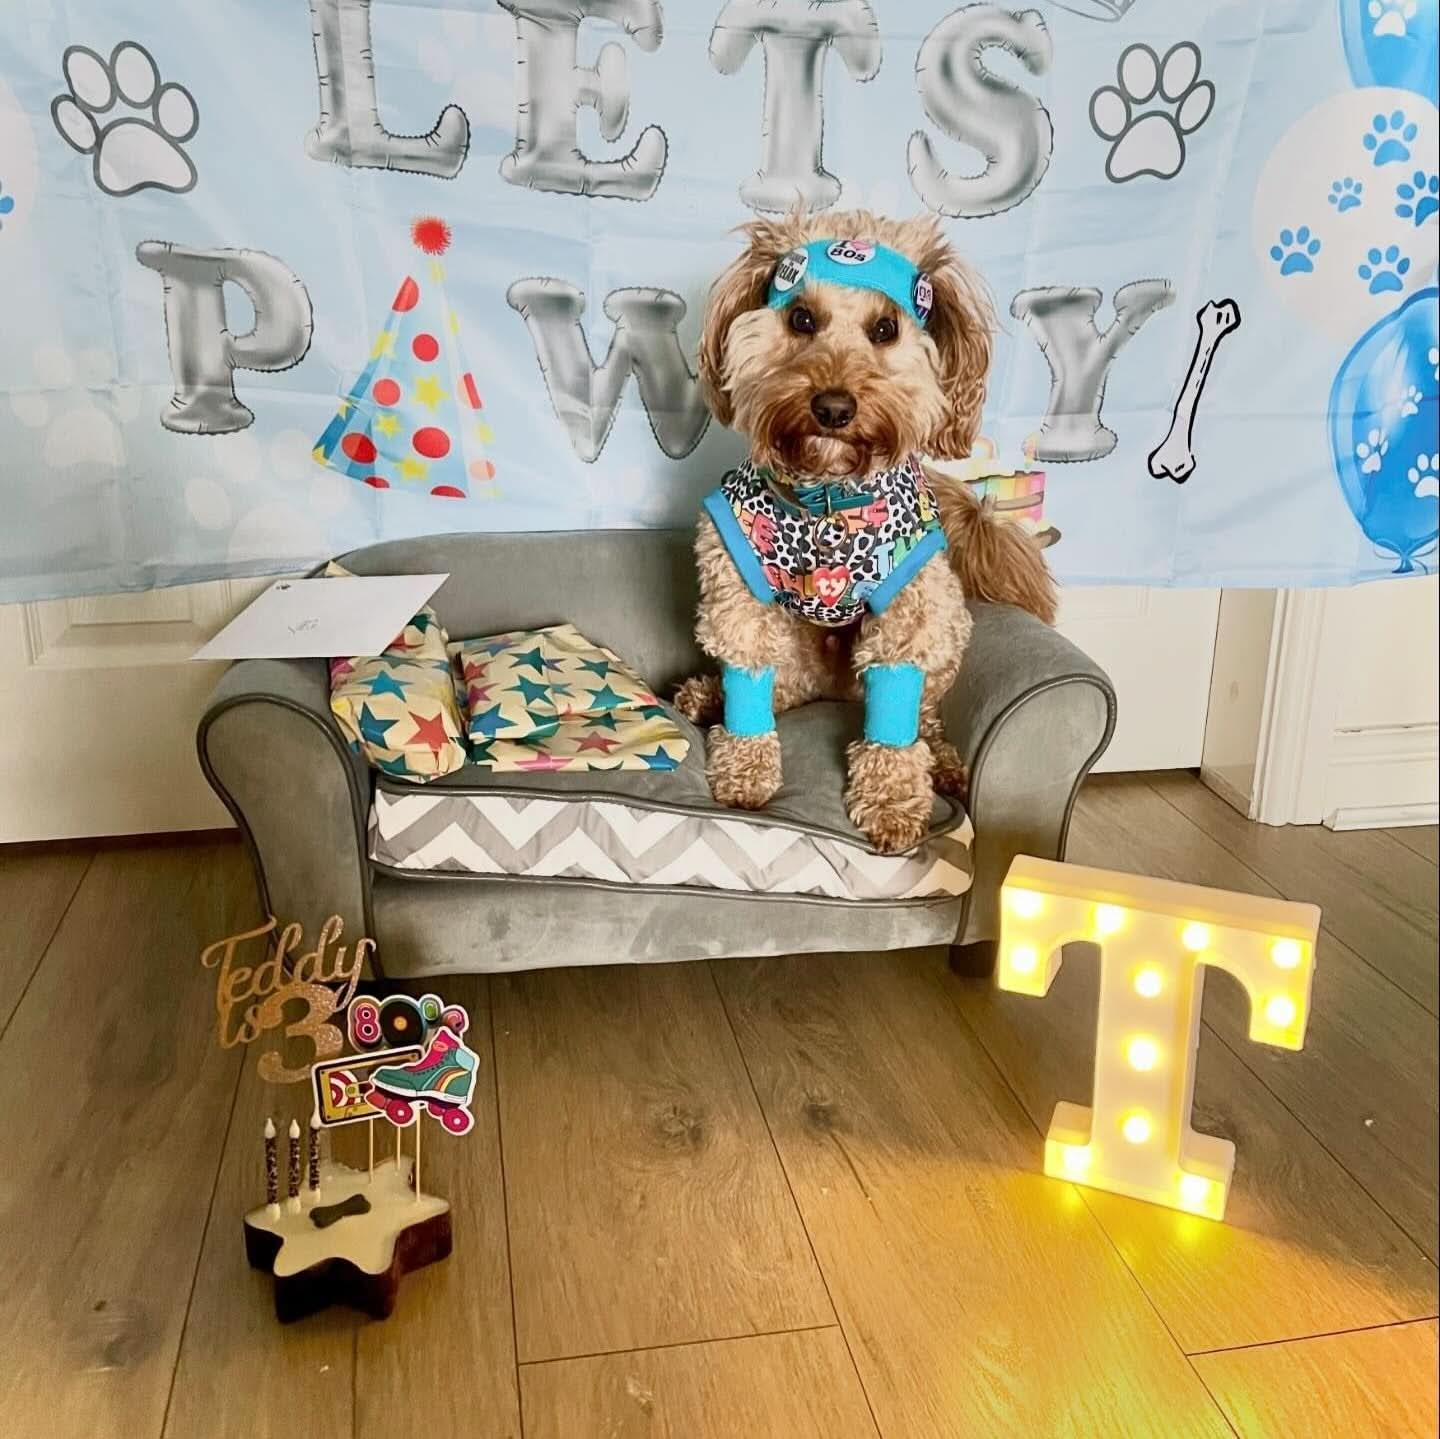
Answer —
701 699
949 774
744 770
889 794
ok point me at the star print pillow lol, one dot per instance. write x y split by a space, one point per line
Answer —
399 709
550 699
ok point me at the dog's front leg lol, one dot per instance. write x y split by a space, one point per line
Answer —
751 642
912 647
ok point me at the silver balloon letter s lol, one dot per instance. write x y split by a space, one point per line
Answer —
1062 319
795 36
1009 127
349 131
204 354
552 87
586 396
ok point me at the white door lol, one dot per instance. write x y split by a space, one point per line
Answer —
1157 646
102 701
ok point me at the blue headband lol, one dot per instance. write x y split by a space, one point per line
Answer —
861 264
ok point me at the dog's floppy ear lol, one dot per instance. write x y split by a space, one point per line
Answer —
741 287
961 323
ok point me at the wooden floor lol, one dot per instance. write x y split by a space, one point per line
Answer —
777 1199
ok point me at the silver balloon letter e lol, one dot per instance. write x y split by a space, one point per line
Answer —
552 88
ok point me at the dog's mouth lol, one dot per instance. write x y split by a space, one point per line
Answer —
786 435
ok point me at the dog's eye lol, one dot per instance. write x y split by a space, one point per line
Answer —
884 331
801 320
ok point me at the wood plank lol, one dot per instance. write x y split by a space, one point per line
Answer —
978 1296
779 1386
1424 839
1377 1381
1303 1250
241 1373
115 1097
1378 897
34 892
646 1204
444 1362
1366 1082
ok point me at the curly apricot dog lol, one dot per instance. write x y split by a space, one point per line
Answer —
844 346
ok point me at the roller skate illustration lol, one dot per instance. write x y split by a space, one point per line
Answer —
442 1080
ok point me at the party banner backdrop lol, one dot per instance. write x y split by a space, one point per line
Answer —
281 278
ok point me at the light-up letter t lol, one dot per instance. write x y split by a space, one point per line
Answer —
1155 939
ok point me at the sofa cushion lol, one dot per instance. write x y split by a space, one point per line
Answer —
662 829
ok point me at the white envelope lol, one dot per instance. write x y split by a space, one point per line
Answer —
321 618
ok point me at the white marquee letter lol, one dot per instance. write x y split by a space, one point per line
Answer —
1155 939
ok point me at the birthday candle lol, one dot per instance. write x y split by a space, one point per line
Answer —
314 1158
293 1193
272 1171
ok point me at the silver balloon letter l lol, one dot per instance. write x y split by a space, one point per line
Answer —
349 131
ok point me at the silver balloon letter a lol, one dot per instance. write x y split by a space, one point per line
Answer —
795 36
586 396
553 87
204 354
1062 320
350 132
1010 128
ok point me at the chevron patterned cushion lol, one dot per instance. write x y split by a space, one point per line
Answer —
662 829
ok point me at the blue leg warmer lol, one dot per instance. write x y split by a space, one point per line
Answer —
749 700
892 704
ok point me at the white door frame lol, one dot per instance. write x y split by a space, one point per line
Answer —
1306 769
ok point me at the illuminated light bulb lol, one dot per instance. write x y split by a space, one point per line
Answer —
1281 1011
1023 959
1148 983
1194 1190
1076 1159
1286 953
1025 902
1143 1053
1195 936
1136 1128
1108 918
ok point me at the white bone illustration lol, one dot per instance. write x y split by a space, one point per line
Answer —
1173 455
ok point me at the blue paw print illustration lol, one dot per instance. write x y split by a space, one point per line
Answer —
1419 197
1390 137
1345 194
1295 253
7 205
1384 270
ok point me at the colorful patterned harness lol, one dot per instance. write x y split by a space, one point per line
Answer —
832 551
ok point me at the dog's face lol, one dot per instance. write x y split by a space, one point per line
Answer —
842 381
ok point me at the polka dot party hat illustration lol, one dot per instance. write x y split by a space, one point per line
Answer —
414 419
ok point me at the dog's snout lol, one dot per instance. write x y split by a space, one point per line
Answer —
833 408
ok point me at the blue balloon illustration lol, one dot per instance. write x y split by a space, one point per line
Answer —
1393 42
1385 430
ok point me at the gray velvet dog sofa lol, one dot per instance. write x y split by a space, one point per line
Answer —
1030 714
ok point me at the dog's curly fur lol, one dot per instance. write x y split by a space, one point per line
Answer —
918 393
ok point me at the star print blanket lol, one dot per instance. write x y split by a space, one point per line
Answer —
549 699
399 709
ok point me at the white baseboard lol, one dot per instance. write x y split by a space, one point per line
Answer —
1383 776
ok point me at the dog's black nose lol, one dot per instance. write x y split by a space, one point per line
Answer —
833 408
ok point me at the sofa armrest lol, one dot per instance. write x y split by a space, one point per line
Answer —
1030 713
274 754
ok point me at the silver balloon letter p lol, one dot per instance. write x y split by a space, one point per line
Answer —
204 354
